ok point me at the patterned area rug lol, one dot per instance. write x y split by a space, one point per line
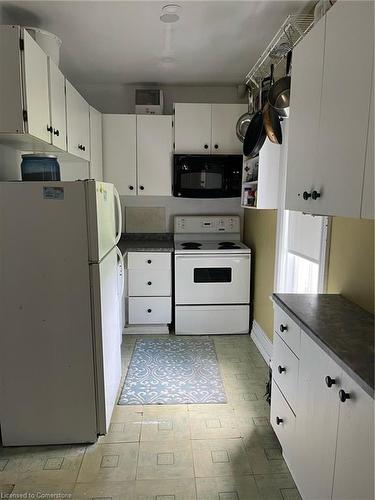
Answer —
174 370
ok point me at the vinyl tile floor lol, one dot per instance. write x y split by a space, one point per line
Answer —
180 452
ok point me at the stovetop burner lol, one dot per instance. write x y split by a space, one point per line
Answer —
191 245
227 244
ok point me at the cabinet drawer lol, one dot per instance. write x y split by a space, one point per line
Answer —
283 421
146 282
285 370
149 260
149 310
288 330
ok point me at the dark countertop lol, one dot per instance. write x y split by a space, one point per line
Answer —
342 329
146 242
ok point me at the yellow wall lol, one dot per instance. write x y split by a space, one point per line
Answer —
260 236
351 261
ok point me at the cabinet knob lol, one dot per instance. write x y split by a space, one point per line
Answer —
216 146
56 131
131 188
149 310
83 148
49 128
279 420
141 188
330 381
281 369
315 195
206 146
343 396
306 195
149 261
149 283
283 328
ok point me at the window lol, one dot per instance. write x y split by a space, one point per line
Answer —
301 252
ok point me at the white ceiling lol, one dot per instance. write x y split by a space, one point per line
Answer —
214 42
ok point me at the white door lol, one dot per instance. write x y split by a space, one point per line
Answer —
212 279
154 155
36 89
316 423
57 105
304 118
354 467
104 210
192 128
367 210
348 56
224 117
106 321
96 146
119 152
78 123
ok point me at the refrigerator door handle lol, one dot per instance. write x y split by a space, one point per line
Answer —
119 215
120 256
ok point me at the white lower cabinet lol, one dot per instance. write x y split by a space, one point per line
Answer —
285 370
149 288
354 466
328 435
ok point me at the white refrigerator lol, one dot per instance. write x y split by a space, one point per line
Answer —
60 337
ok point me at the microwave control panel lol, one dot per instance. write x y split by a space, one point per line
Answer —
207 224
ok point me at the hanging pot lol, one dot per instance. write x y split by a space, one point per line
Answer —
279 94
245 119
255 133
271 119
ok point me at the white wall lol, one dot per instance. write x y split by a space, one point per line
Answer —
116 98
184 206
10 164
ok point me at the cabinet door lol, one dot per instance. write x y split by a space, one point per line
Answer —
223 133
192 128
345 102
78 123
57 105
367 211
154 155
36 89
316 423
119 152
305 97
354 468
96 145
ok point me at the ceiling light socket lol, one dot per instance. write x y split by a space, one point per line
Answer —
170 13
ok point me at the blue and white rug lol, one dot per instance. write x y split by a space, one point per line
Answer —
174 370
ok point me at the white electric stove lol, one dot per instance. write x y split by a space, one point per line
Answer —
212 276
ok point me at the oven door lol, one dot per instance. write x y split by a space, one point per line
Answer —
212 279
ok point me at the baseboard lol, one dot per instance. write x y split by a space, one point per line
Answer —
262 341
146 330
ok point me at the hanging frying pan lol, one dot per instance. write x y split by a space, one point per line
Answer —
271 119
255 133
279 94
245 119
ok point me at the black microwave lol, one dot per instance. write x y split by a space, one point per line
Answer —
207 176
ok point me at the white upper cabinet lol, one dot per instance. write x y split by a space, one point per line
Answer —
304 117
192 128
330 100
57 105
348 56
36 89
120 152
154 154
78 123
354 467
367 211
223 128
96 149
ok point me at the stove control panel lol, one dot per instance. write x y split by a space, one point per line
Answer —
207 224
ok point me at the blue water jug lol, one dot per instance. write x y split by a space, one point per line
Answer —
40 167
